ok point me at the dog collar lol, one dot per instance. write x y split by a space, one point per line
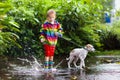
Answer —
85 48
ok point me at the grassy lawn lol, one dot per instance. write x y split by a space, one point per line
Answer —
108 52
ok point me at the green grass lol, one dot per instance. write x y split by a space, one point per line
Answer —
108 52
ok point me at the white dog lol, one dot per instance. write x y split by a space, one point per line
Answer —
79 53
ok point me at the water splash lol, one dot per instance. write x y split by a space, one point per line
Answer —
33 67
34 64
58 64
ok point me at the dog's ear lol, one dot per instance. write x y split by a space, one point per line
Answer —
88 45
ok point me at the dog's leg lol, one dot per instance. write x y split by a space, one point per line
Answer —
83 64
69 62
75 61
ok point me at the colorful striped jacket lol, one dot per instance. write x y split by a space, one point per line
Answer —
47 32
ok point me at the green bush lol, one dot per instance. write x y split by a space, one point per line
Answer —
8 29
109 35
76 16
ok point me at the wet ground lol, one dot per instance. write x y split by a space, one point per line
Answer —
98 68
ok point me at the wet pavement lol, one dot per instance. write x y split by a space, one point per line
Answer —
98 68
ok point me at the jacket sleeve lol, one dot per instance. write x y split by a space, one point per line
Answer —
42 33
60 30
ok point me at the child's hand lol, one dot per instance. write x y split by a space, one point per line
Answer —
58 34
42 40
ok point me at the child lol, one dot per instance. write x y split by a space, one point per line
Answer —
50 32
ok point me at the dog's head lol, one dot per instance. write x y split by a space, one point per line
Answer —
90 47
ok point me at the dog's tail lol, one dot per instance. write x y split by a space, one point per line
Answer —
67 58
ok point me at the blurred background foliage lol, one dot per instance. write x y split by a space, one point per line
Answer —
8 29
82 21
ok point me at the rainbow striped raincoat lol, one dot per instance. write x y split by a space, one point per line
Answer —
48 30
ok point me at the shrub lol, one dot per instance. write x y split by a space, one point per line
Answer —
76 17
110 35
8 29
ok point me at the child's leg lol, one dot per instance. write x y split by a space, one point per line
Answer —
46 64
51 62
51 58
52 50
47 52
